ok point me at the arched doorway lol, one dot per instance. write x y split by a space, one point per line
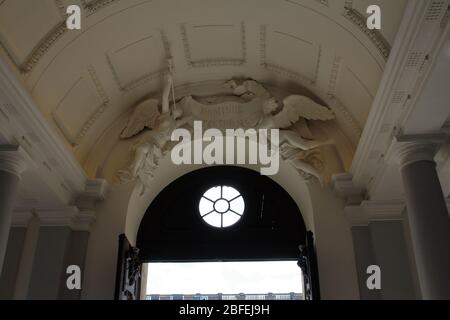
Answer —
266 223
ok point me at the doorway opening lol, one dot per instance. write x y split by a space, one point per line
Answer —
227 214
255 280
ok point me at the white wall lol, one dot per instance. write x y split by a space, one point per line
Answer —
100 267
334 245
322 209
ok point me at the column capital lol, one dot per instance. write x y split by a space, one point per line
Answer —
12 159
408 149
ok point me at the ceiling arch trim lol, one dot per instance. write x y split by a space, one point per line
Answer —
92 6
359 20
45 68
324 2
370 51
46 42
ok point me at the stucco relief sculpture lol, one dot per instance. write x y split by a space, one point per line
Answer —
301 152
250 106
152 145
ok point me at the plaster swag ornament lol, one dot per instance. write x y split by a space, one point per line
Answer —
250 106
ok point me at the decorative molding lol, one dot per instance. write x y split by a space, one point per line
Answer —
21 219
144 78
319 60
43 46
398 76
214 62
332 84
26 117
12 160
337 106
71 217
445 19
407 149
436 9
384 210
323 2
83 220
342 184
96 189
93 6
56 217
93 117
281 70
341 24
99 111
375 36
372 211
61 7
357 78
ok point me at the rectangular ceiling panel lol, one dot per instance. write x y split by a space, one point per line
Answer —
290 53
78 105
138 59
354 94
214 43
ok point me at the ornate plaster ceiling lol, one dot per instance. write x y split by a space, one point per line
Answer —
84 80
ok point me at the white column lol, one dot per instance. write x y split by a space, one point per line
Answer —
12 165
428 215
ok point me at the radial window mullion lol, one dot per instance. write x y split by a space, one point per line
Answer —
212 211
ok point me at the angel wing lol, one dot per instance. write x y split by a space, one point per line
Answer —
144 115
296 107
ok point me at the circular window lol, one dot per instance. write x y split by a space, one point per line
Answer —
221 206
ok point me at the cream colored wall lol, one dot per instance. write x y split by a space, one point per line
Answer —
168 172
101 257
334 246
124 208
322 211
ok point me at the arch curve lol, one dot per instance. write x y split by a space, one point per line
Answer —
167 172
172 228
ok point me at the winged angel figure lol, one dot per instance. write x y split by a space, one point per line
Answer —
299 151
151 146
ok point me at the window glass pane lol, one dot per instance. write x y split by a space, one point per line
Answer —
205 206
229 193
213 219
237 205
213 193
230 218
